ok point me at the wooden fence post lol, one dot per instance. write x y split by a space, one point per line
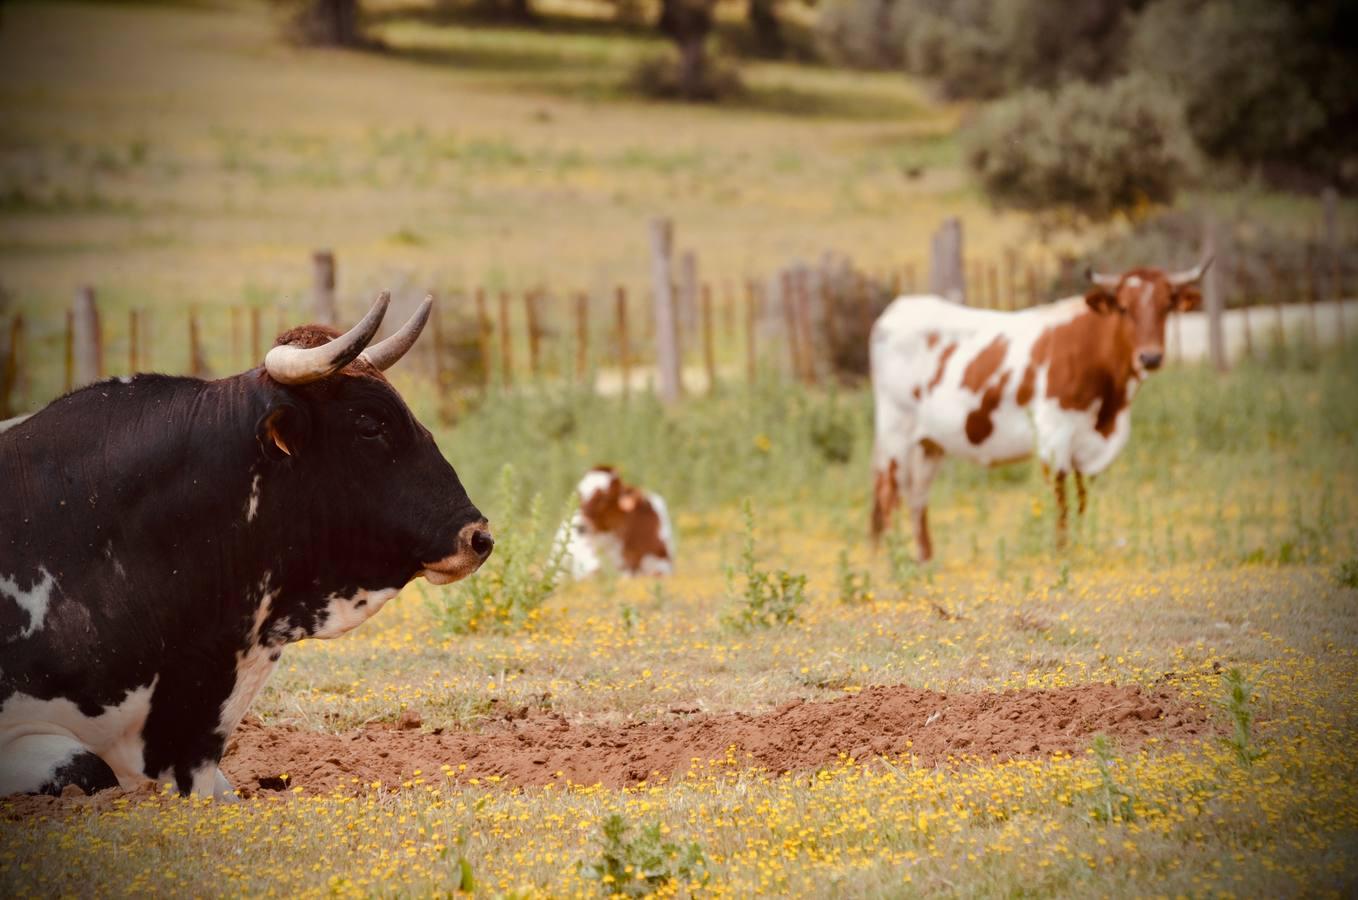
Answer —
624 352
668 358
1330 198
87 338
483 336
1312 291
9 365
530 323
68 378
581 336
802 307
1214 302
751 317
256 336
506 342
132 337
235 337
686 283
198 367
946 276
909 278
442 380
709 351
323 287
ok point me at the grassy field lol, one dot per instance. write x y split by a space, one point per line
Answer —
1223 539
177 155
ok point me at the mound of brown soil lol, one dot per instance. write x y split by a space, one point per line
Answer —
798 736
879 721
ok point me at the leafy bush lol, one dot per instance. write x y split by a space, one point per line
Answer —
766 598
521 574
1346 573
639 867
979 48
1083 152
1262 82
855 587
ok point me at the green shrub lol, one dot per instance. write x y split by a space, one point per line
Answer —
521 574
766 598
855 587
1084 152
1346 573
640 866
660 75
1261 82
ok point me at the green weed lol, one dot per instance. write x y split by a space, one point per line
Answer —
521 574
855 586
640 866
1113 802
767 598
1239 705
1346 573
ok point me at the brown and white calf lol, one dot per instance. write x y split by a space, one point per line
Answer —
618 525
995 387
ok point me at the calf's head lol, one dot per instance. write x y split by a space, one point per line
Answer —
1144 298
361 480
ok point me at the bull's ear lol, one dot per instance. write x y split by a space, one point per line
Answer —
1101 300
281 431
1187 298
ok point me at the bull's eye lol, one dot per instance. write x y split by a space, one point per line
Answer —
369 427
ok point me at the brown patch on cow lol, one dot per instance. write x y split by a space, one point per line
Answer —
885 498
932 448
980 422
931 339
628 514
986 364
916 392
942 364
1089 360
1026 386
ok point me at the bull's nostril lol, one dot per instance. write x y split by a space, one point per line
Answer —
482 543
1151 360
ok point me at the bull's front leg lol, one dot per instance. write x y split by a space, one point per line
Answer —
1081 495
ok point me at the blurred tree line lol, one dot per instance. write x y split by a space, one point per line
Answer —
1095 92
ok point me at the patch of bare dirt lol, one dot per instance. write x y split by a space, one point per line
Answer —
798 736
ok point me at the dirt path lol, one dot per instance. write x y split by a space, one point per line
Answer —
795 737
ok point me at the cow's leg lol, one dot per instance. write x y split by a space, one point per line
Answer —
1081 495
923 465
1062 508
47 763
893 426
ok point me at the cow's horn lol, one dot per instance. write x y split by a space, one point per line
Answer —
1188 276
385 353
1103 281
295 365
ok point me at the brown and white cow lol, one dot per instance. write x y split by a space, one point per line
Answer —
619 525
995 387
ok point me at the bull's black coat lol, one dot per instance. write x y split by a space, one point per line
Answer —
134 496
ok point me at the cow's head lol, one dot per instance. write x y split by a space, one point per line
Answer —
367 488
604 500
1145 298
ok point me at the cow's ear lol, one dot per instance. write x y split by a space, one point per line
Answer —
628 502
281 431
1187 298
1101 300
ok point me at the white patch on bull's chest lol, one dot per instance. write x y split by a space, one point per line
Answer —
343 614
114 734
34 600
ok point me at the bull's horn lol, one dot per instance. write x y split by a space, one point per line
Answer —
1104 281
385 353
1188 276
295 365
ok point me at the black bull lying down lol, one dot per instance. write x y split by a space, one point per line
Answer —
162 538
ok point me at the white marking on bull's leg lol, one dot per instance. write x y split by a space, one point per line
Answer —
344 614
34 600
253 669
580 558
252 505
114 734
29 761
222 789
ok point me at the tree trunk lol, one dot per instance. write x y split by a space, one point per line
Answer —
330 23
764 25
688 23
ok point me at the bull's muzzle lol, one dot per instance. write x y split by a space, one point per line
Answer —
474 544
